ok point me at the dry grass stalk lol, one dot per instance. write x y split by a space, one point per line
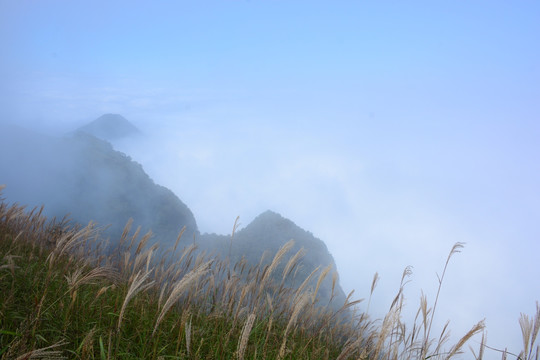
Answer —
179 288
126 230
386 329
178 239
102 291
348 303
349 349
334 282
87 345
45 353
246 290
529 331
142 258
323 275
268 332
187 253
269 302
443 338
70 240
75 279
293 261
455 249
149 256
126 262
188 336
374 283
235 227
277 259
135 287
246 330
480 355
164 288
143 242
134 237
425 312
300 303
474 330
10 263
304 284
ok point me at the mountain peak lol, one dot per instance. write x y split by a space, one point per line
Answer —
270 217
110 127
269 214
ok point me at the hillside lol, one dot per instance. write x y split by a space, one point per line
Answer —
86 178
61 298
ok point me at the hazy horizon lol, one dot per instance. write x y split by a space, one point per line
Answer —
389 130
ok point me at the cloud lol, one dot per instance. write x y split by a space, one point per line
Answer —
378 207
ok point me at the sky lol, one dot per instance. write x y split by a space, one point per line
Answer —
389 129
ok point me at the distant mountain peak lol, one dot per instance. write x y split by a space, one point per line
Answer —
269 214
110 127
269 217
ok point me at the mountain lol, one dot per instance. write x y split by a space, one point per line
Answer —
85 177
268 232
110 127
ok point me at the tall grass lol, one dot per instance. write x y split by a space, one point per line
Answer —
63 294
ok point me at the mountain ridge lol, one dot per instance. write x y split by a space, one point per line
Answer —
85 176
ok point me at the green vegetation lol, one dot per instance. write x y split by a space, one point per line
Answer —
64 296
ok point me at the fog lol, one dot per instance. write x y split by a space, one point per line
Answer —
390 131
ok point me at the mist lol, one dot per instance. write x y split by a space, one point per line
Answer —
378 205
389 131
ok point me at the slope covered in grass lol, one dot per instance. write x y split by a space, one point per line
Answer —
62 296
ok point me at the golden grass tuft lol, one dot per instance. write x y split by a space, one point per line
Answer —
246 330
137 285
181 286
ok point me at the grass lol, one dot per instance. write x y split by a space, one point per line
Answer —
65 295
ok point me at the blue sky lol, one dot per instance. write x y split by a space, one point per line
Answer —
389 129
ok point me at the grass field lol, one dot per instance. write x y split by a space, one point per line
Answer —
64 295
